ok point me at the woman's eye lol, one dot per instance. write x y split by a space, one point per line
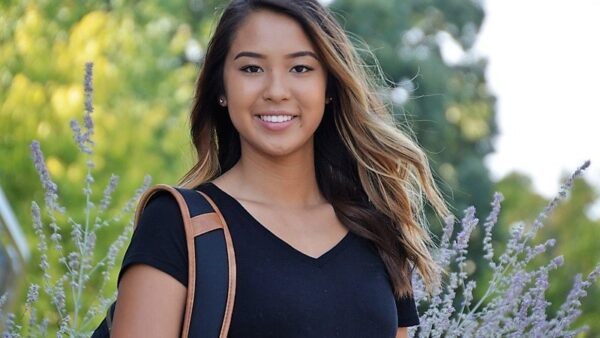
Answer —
250 69
301 69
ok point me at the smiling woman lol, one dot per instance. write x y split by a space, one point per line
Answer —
274 85
321 192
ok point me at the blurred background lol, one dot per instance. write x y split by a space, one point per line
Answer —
500 94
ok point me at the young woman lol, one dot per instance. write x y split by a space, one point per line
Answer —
321 192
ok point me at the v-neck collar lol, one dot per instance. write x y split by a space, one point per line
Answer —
319 261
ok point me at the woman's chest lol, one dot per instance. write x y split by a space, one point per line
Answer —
312 231
281 292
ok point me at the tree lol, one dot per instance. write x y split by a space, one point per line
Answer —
447 105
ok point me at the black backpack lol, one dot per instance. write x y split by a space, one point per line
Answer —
211 269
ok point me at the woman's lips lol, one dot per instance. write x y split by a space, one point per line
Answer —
276 122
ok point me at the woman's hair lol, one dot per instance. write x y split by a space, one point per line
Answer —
372 173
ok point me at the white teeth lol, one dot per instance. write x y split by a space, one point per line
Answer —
275 118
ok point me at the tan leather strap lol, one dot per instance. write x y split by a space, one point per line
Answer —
189 235
205 223
232 269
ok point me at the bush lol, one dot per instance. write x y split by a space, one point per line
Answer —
514 303
71 315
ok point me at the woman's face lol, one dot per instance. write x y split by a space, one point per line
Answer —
274 85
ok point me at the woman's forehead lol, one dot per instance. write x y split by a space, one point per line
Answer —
269 33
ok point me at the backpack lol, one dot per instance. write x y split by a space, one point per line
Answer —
211 268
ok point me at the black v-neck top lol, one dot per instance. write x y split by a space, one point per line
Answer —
280 291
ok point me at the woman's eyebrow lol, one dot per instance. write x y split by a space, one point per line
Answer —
289 56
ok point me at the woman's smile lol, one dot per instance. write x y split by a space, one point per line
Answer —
276 121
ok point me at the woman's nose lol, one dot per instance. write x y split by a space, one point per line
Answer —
277 87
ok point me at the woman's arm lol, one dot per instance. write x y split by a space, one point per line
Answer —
402 332
150 303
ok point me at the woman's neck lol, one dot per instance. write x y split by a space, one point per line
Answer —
288 181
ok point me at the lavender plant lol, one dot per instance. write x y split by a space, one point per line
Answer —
514 302
75 319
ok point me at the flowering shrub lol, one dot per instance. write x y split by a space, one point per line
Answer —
513 305
65 291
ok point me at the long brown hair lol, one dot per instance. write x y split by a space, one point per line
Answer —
371 172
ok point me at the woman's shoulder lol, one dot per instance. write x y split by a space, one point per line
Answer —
161 205
159 238
216 195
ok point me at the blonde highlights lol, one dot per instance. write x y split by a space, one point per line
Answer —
393 170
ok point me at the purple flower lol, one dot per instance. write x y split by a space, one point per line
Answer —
556 262
88 90
79 137
50 188
490 221
595 274
461 242
565 187
110 189
84 138
32 295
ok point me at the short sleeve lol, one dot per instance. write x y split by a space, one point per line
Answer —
159 239
407 312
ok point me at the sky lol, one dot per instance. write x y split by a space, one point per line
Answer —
544 68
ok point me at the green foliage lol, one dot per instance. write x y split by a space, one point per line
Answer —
144 91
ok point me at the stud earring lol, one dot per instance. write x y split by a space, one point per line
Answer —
222 101
328 100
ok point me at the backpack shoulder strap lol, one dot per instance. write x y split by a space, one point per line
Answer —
201 216
204 225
